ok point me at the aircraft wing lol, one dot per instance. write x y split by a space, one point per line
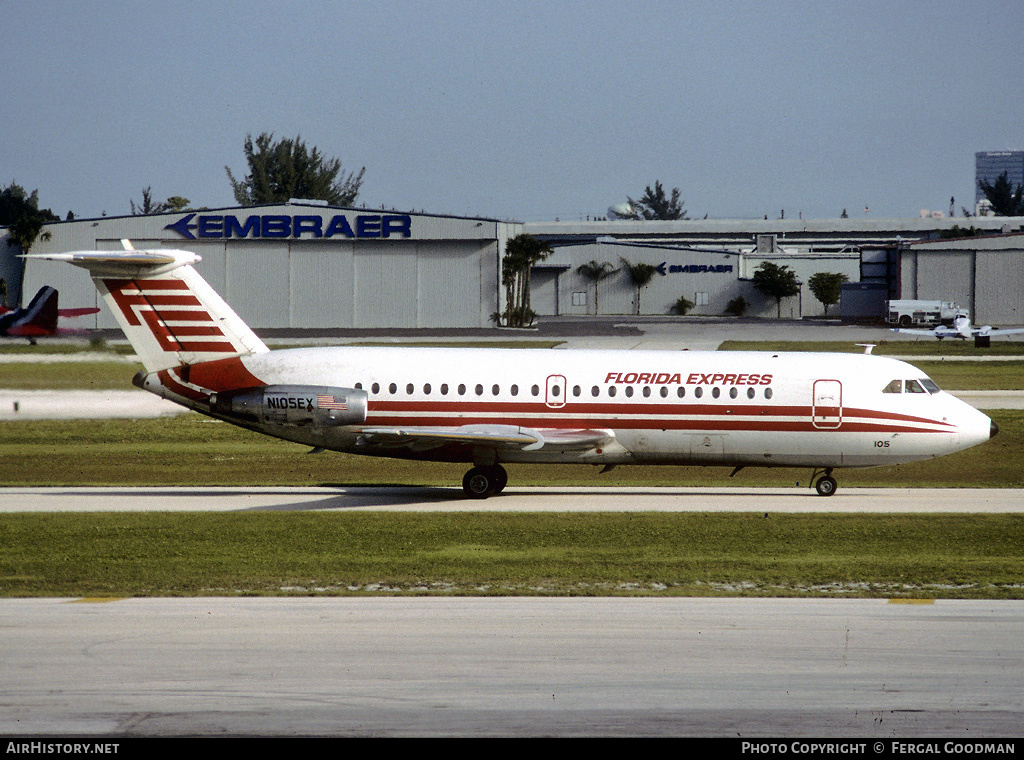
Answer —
997 331
498 437
80 312
929 333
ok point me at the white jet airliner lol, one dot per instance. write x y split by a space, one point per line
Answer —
486 407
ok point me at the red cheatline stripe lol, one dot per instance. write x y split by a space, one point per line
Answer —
621 423
493 408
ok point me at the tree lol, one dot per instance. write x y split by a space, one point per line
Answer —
1005 200
639 274
827 287
595 273
776 281
682 306
172 204
521 254
287 169
654 204
21 214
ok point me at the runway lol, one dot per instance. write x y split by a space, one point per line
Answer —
549 499
611 667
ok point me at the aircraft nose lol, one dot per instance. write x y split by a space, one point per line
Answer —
993 429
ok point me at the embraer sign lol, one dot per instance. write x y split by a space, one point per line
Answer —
207 226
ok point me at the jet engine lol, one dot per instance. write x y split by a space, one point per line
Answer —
296 405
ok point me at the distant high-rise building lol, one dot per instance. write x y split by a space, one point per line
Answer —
990 164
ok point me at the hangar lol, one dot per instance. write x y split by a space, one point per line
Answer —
982 274
306 265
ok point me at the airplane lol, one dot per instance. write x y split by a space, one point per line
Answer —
39 318
961 328
488 407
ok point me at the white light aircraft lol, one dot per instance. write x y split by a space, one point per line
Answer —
961 328
488 407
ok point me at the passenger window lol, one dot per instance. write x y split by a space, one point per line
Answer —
664 391
426 389
896 386
462 389
733 392
681 391
698 392
444 389
375 388
767 392
595 391
515 390
392 388
750 393
612 391
715 392
409 389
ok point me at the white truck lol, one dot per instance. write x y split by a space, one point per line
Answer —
908 312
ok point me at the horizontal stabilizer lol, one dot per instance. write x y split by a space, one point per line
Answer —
123 264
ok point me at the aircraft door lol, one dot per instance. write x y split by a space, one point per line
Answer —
554 392
827 411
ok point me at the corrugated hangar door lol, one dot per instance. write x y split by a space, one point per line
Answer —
449 284
385 285
417 285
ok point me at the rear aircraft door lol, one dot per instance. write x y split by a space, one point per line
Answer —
827 411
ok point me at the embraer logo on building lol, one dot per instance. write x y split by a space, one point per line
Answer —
283 226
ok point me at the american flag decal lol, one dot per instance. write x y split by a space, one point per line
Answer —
176 318
325 401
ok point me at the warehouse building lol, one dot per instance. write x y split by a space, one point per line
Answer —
712 262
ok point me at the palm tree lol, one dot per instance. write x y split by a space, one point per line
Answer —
595 273
640 274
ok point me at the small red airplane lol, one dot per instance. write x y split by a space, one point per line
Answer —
39 318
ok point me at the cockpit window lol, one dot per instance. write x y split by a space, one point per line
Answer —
913 386
896 386
929 385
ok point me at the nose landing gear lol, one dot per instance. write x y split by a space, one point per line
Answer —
826 485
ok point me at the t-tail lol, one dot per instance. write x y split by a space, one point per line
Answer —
168 312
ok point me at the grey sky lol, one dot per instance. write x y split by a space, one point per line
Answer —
518 110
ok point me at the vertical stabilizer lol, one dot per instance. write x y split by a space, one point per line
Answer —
168 312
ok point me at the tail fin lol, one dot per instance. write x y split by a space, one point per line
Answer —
168 312
38 318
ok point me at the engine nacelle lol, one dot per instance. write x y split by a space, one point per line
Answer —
298 405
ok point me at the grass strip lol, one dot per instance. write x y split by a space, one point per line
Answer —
640 554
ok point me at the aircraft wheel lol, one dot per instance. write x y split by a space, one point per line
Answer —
826 485
500 478
479 483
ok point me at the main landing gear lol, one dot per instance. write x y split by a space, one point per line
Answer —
484 481
826 485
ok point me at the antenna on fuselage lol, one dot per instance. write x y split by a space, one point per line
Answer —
867 347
